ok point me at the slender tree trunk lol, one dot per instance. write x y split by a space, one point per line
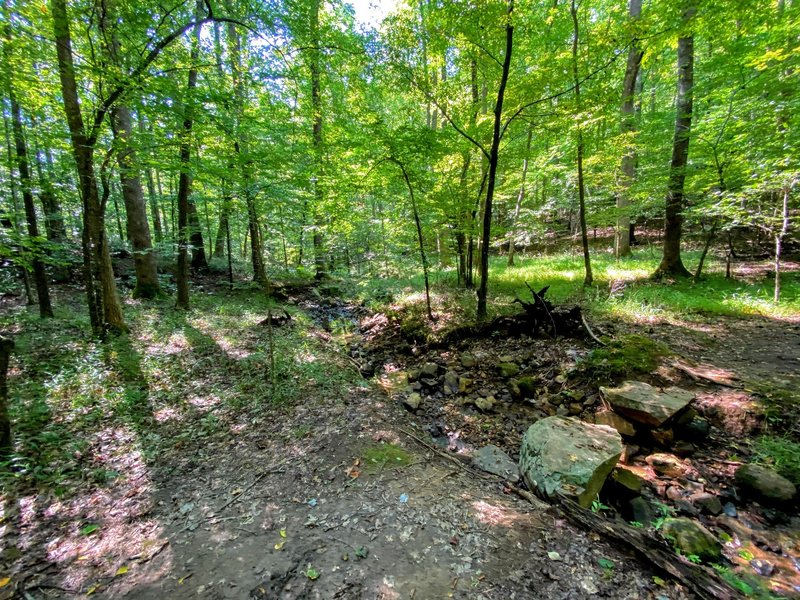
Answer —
224 217
671 263
105 309
316 129
779 241
6 440
628 127
494 153
158 232
520 199
39 271
185 179
53 215
587 262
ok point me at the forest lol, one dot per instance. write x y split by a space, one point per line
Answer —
410 299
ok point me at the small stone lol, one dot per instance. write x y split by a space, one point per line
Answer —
666 464
560 379
413 374
527 386
696 430
507 369
493 460
627 479
412 401
450 383
663 437
708 503
429 381
674 493
612 419
485 404
575 409
468 360
641 511
629 452
464 384
562 411
762 567
505 358
765 484
730 509
589 586
691 538
430 369
683 448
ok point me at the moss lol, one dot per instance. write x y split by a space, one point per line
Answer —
376 458
621 358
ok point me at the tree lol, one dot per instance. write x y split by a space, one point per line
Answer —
671 263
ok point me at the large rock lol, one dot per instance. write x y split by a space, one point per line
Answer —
668 465
562 455
691 538
612 419
765 484
646 404
493 460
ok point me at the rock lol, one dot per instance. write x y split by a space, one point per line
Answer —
696 430
729 509
575 409
646 404
629 452
765 484
451 383
562 411
683 448
708 503
527 386
663 437
413 374
505 358
464 384
641 511
493 460
429 369
468 360
762 567
612 419
412 401
565 455
666 464
485 404
415 387
627 479
691 538
507 369
674 493
429 381
560 379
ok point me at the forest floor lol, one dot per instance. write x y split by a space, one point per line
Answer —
186 460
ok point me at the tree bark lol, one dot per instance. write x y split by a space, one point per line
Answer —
671 263
316 130
587 262
6 441
779 241
628 127
185 178
105 310
493 160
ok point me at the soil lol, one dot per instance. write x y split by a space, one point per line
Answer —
285 506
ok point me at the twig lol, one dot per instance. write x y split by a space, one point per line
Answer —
589 331
452 459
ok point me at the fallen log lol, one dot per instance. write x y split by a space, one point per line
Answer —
700 579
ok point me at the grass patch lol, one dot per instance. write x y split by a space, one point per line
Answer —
781 454
377 458
629 355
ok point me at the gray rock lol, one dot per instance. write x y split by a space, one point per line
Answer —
485 404
562 411
765 484
707 503
429 369
612 419
468 360
691 538
566 456
493 460
646 404
412 401
507 369
505 358
451 383
628 479
696 430
641 511
729 508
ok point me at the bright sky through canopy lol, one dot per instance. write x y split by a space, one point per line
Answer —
372 12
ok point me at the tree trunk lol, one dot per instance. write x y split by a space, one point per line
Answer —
151 192
671 263
138 229
185 179
105 310
493 159
628 127
587 262
6 441
224 217
520 198
316 130
779 241
53 215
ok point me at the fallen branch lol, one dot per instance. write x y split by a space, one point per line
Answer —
446 456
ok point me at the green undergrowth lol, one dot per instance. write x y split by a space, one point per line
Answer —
780 453
385 456
177 379
624 357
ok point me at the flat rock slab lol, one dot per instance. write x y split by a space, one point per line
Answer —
493 460
562 455
646 404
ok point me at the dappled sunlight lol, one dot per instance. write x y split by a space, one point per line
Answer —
497 516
